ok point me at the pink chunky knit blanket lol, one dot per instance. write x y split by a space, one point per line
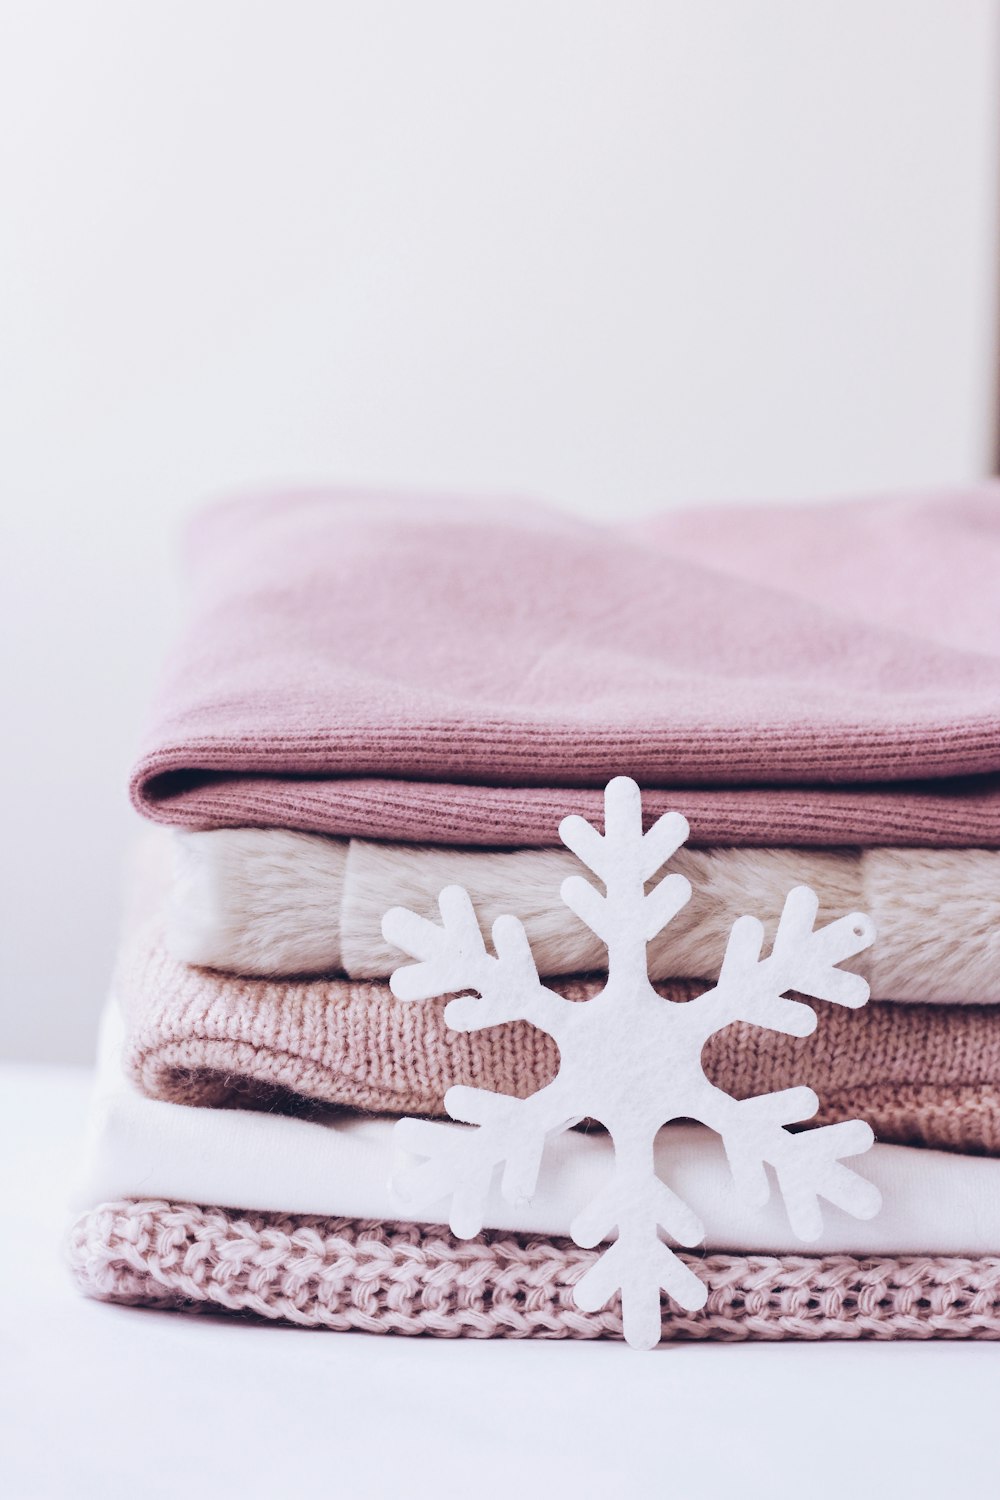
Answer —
417 669
402 1278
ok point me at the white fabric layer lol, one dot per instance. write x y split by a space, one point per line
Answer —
934 1202
270 902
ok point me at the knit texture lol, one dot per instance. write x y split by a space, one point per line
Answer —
920 1074
402 1278
418 669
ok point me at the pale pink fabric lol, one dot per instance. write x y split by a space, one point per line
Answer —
427 669
411 1279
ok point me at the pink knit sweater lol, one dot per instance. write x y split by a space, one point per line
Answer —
920 1074
411 1279
425 670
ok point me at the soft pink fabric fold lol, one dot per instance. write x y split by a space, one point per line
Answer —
426 669
414 1279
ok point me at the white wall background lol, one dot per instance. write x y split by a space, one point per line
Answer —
619 255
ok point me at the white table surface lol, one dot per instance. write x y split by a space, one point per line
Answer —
102 1401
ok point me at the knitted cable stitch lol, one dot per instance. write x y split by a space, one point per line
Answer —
406 1278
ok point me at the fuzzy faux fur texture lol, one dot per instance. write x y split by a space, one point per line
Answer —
264 901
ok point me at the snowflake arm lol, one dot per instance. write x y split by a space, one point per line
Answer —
808 1165
637 1204
624 858
453 957
803 958
460 1164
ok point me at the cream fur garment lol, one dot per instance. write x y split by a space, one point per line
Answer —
263 901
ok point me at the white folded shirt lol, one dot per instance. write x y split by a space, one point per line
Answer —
339 1165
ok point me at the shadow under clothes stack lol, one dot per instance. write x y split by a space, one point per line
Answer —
377 698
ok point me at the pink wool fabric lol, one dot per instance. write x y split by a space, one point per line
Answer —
428 670
406 1279
919 1074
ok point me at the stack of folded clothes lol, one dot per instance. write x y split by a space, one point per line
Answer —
378 698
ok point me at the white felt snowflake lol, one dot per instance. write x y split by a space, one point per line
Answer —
632 1061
